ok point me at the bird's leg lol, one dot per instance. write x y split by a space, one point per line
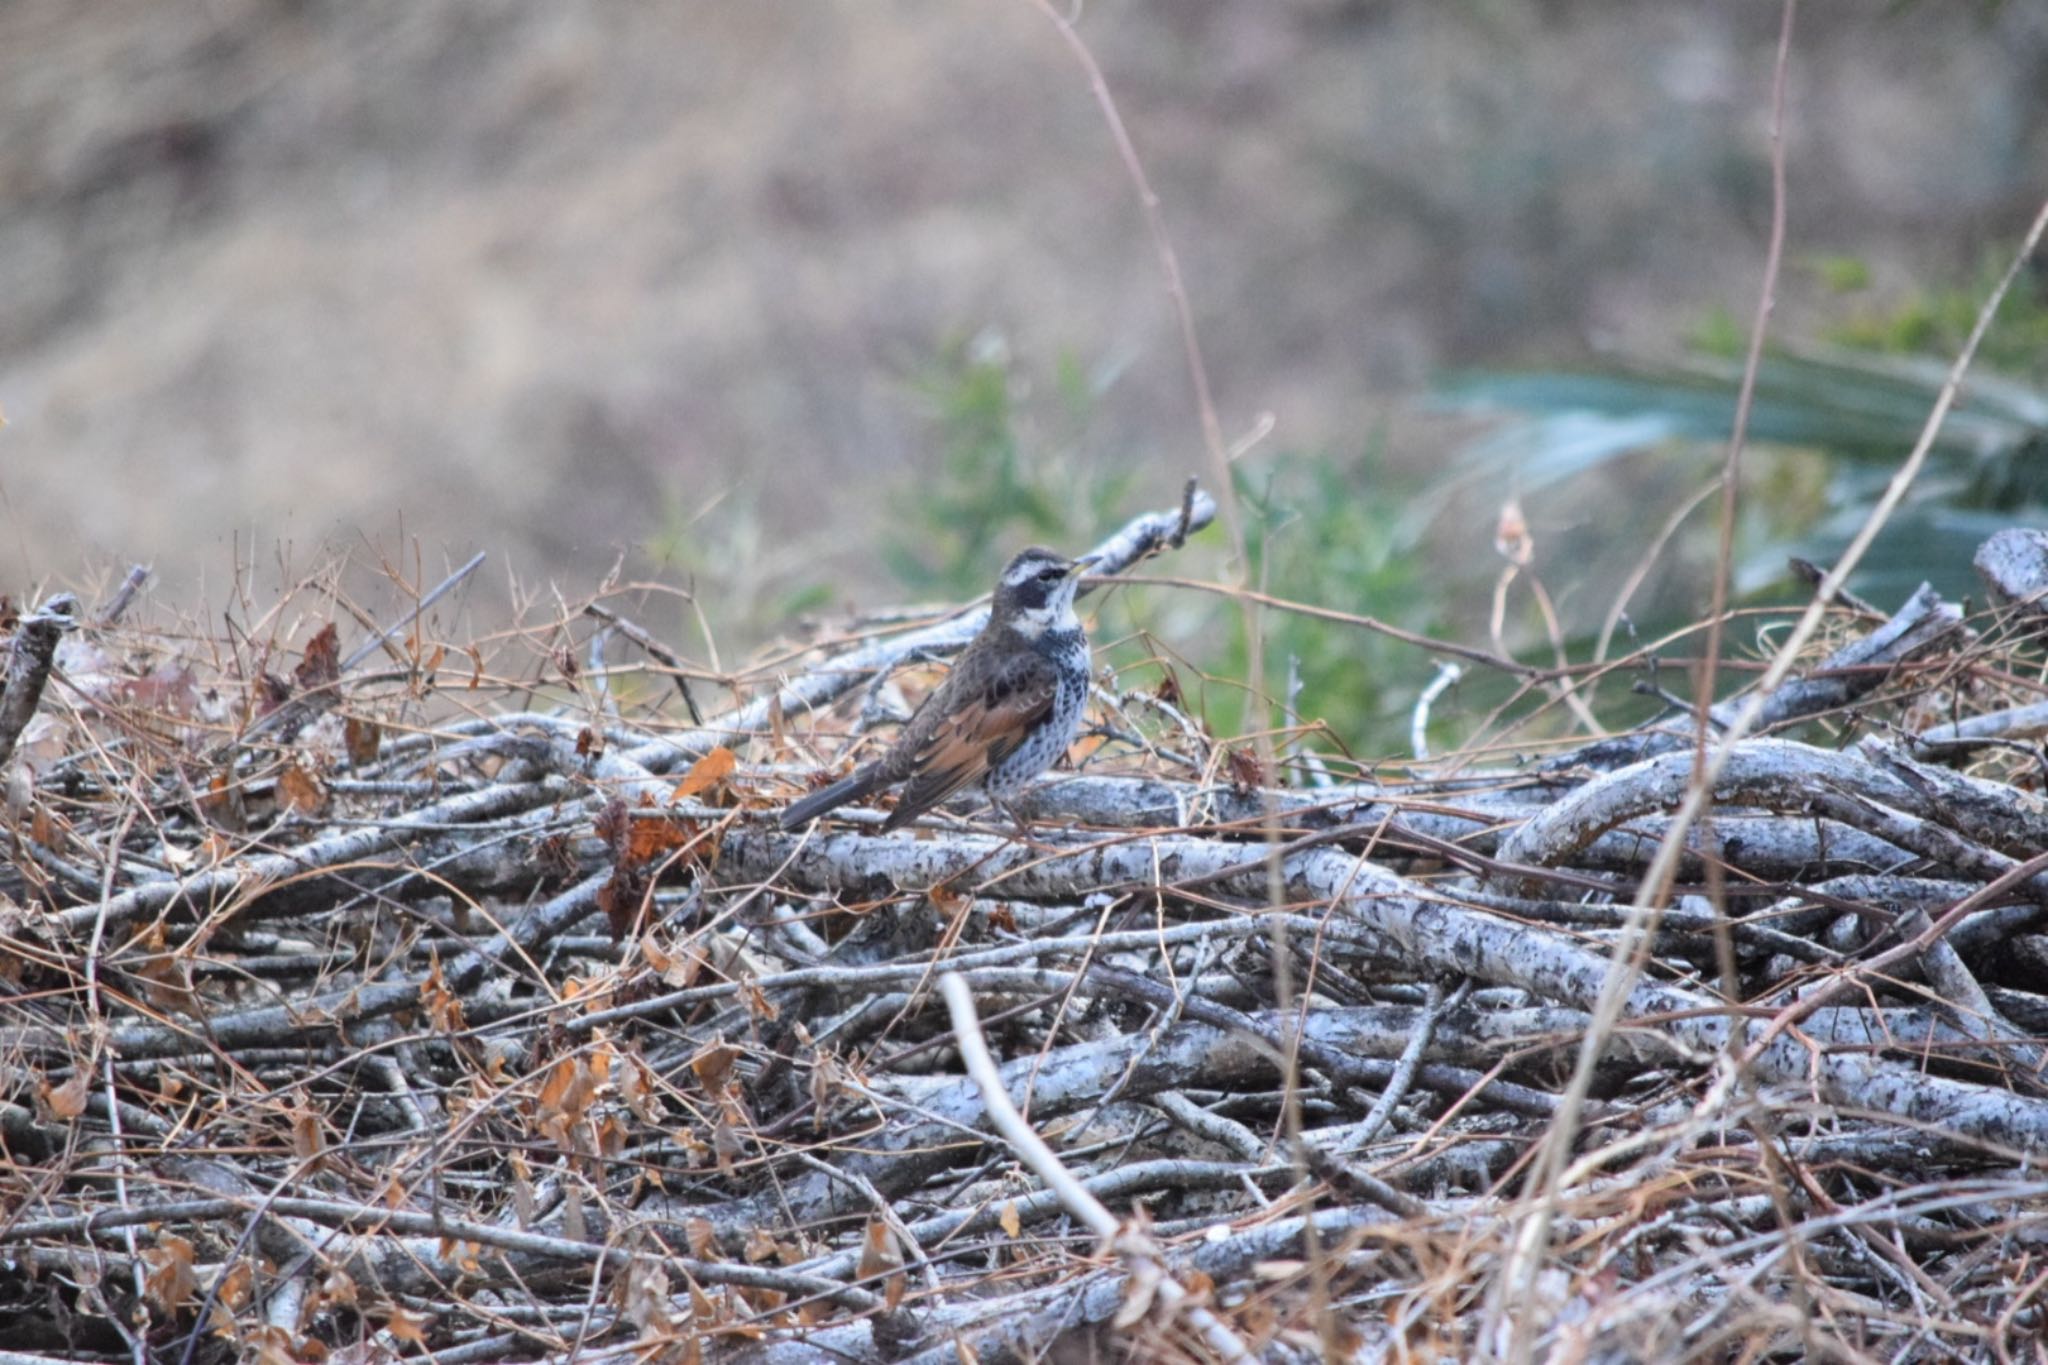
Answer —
1022 825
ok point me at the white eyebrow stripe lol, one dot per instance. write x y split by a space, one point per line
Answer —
1024 572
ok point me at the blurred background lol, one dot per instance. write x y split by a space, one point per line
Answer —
804 303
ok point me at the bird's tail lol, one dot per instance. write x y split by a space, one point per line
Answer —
830 798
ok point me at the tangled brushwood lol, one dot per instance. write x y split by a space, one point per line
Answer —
461 1009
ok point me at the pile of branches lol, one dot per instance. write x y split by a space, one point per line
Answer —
468 1009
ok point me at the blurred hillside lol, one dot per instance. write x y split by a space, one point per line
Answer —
553 280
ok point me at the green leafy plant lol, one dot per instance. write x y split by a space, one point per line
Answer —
1013 465
1338 533
1019 458
1851 410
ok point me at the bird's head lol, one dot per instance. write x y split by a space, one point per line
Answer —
1036 592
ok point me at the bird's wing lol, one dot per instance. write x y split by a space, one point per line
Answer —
978 732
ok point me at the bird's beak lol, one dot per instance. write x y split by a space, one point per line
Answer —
1083 565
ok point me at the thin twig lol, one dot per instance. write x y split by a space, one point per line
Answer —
1627 957
661 652
1148 1268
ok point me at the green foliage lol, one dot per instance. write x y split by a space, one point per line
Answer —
1936 322
1321 530
1018 459
1842 274
1012 468
1835 421
724 554
1335 533
1718 333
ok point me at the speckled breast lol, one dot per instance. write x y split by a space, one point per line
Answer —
1069 652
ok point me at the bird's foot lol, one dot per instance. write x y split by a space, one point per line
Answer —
1021 827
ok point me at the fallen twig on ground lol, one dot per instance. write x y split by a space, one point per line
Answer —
517 1028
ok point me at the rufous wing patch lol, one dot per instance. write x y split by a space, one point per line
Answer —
973 739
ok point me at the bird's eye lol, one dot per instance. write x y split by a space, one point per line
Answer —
1052 571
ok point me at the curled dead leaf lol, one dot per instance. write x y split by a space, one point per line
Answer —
408 1326
299 791
309 1143
881 1256
713 1067
66 1101
1511 538
706 773
1139 1292
1246 772
362 739
320 666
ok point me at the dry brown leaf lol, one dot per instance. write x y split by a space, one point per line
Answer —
362 738
67 1101
561 1076
222 803
1139 1291
657 957
757 1002
338 1288
568 1089
620 899
308 1143
168 975
610 1133
320 666
881 1256
1246 772
170 1283
298 790
234 1289
1013 1226
641 1293
702 1238
648 840
1511 538
705 773
443 1007
637 1090
712 1067
407 1326
272 1344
